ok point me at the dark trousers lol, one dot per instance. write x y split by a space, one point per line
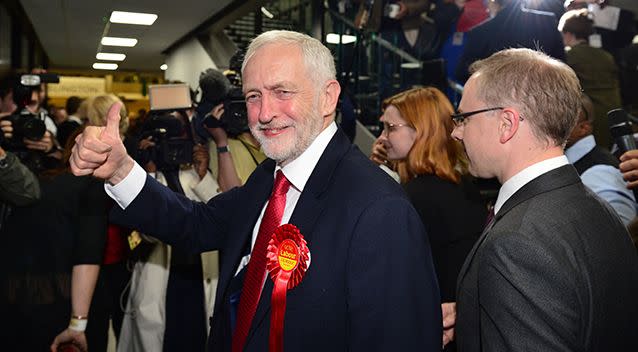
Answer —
105 306
32 327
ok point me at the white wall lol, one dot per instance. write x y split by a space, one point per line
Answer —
186 62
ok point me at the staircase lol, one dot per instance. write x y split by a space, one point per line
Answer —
243 30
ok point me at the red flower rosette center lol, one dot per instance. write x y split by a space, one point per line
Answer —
288 258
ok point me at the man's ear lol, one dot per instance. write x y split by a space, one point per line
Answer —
509 120
330 93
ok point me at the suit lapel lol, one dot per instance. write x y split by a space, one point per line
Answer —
307 211
557 178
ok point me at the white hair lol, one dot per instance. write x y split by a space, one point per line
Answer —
317 58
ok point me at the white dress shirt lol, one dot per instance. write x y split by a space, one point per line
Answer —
526 175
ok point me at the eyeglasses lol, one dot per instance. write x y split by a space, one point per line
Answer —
391 127
459 117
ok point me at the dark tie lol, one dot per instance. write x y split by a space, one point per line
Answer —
256 270
490 220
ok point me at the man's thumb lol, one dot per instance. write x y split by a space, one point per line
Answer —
113 121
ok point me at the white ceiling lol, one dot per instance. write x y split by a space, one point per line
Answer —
70 30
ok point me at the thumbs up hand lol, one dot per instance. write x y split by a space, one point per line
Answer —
99 151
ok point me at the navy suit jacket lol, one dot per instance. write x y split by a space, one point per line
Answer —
512 27
370 286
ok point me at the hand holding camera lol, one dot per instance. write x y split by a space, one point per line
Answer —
214 127
45 144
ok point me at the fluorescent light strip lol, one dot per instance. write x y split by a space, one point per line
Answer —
145 19
104 66
333 38
110 56
267 13
115 41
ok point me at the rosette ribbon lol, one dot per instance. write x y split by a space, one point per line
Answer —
288 258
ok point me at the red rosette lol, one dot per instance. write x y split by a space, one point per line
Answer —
288 259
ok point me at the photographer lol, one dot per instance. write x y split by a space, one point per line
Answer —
221 114
165 279
26 127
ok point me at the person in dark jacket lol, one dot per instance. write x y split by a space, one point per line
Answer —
416 140
513 26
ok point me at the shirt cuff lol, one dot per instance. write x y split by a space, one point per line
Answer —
126 190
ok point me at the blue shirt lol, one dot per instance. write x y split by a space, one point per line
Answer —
604 180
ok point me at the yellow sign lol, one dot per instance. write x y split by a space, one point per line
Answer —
82 87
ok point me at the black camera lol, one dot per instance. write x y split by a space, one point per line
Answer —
235 118
168 127
216 89
171 150
26 124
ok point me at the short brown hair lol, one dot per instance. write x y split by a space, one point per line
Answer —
545 90
577 22
434 151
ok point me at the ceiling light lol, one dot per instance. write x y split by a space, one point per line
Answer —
267 13
146 19
115 41
333 38
110 56
164 67
104 66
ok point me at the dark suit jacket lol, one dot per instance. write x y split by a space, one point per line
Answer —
370 286
454 216
512 27
556 272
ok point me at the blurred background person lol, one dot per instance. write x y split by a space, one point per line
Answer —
221 118
72 122
432 169
512 26
114 274
7 105
597 167
172 291
53 249
595 68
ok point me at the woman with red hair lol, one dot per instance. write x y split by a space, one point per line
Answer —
416 143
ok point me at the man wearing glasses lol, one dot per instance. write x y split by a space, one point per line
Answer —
555 269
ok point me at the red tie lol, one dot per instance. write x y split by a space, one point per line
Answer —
256 270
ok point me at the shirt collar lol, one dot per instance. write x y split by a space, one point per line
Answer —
298 171
580 148
75 119
526 175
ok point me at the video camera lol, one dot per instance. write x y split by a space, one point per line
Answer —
217 89
171 134
26 124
